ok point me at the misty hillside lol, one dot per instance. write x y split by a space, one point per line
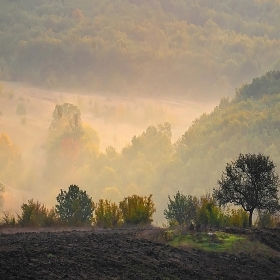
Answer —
152 163
68 149
249 123
193 48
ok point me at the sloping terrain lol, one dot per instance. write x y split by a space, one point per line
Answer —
196 48
119 255
268 236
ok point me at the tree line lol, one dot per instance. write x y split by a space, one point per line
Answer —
250 182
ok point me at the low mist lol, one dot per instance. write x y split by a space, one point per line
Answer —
103 159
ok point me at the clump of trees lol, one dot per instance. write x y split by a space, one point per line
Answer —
76 208
132 210
35 214
202 212
71 144
250 182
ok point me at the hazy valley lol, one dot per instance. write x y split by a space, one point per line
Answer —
116 120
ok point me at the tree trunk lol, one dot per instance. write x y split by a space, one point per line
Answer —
250 217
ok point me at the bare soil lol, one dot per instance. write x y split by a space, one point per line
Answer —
115 254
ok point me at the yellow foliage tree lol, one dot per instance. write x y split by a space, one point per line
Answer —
107 214
137 209
208 213
237 218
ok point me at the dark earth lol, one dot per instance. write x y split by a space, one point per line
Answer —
116 254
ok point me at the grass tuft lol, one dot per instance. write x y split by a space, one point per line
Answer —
222 242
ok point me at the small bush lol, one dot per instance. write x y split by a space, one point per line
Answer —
21 110
23 120
35 214
237 218
8 219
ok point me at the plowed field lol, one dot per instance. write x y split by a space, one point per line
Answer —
120 255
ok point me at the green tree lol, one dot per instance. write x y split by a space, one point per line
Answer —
251 182
182 209
236 218
74 207
137 209
66 117
107 214
36 214
208 213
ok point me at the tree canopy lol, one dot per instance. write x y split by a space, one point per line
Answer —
173 47
250 182
74 207
181 209
137 209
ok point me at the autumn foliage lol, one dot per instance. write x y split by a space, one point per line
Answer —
107 214
137 209
36 214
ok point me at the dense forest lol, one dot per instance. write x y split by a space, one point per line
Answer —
151 162
138 46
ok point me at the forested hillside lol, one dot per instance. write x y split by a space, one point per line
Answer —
191 47
249 123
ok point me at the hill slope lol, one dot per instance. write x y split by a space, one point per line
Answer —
115 255
250 123
195 48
